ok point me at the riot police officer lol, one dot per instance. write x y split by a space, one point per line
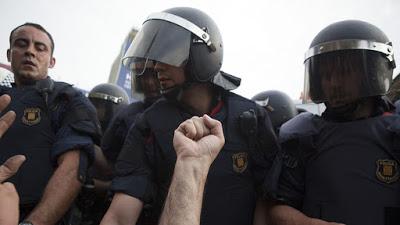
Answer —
279 106
55 129
144 87
185 48
118 117
343 166
108 99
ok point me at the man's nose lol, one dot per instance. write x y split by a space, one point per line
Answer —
30 50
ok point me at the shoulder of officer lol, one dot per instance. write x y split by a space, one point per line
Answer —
300 126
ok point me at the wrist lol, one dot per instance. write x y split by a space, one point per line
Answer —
195 168
194 163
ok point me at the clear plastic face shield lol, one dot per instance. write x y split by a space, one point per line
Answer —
164 38
144 80
343 71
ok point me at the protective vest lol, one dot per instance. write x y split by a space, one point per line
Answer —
351 169
33 134
230 190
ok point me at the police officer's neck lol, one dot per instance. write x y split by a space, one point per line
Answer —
199 97
24 82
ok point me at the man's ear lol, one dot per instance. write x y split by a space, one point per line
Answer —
52 62
8 55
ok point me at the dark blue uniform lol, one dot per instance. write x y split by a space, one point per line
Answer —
114 137
145 165
48 124
346 171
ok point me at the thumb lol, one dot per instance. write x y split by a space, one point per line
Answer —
10 167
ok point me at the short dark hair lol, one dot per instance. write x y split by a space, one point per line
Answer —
37 26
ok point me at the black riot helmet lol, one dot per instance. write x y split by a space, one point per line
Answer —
108 99
279 106
348 61
181 37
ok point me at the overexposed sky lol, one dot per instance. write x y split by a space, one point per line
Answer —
264 40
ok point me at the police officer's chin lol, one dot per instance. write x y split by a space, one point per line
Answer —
336 104
341 107
341 102
172 93
345 111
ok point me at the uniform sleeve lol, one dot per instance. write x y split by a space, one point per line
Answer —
133 175
77 126
297 138
291 179
114 137
266 149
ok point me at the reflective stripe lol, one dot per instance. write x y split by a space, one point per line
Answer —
348 44
106 97
193 28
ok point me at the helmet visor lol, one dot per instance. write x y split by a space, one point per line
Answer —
160 41
344 76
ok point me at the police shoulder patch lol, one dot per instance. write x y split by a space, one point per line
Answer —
239 162
387 170
31 116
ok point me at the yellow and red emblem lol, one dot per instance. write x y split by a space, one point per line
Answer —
240 162
31 116
387 170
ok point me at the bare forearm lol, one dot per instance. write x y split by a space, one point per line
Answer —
112 219
286 215
124 210
184 200
60 192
